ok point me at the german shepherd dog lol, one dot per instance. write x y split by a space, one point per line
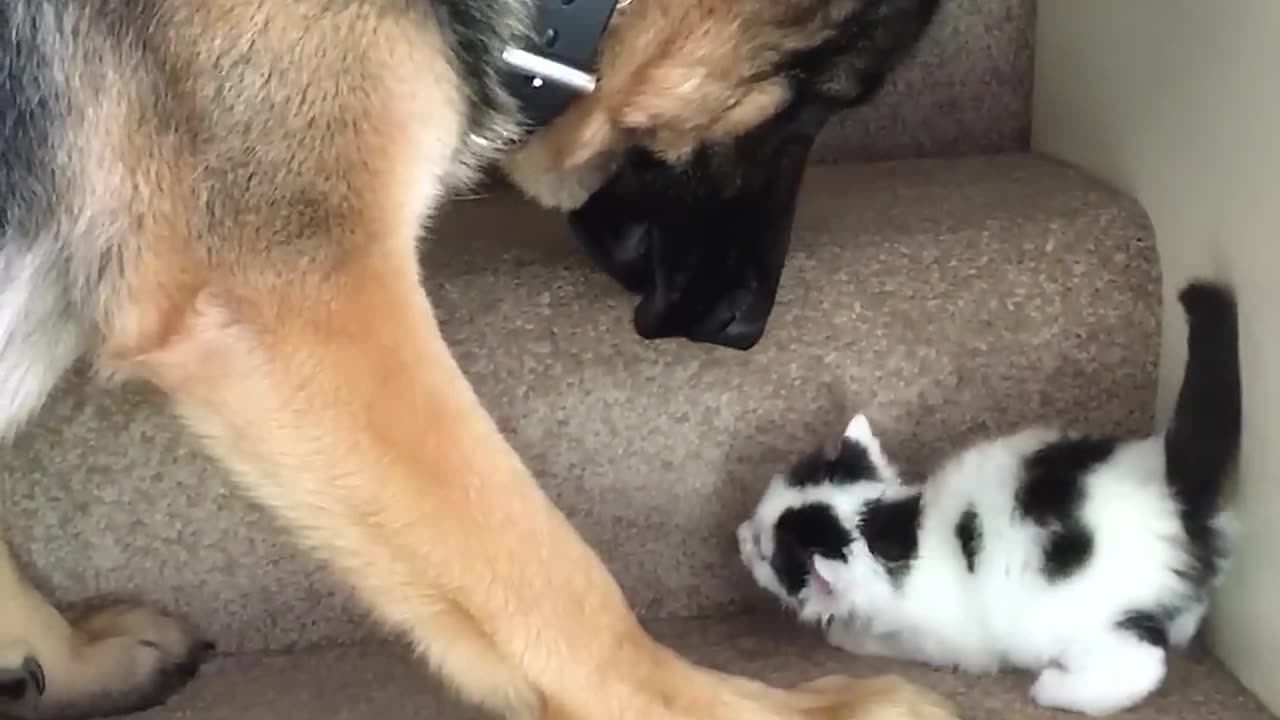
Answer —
223 199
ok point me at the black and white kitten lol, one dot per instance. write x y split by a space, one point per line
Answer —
1081 558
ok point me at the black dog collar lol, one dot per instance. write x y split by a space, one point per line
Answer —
559 65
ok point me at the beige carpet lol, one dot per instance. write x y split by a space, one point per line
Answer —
947 297
380 681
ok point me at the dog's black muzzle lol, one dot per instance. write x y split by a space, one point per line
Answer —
703 244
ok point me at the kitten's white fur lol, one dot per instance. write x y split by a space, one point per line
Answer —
1006 612
1083 559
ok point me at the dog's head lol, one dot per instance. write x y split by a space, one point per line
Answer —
680 170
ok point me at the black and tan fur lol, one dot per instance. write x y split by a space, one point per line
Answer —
222 198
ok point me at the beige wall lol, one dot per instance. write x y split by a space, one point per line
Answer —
1178 103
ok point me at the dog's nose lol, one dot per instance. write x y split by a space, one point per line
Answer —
738 321
690 284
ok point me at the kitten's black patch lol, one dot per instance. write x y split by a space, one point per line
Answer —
1203 438
1066 550
1207 549
1050 496
969 534
852 464
1053 477
1147 626
808 471
801 533
891 529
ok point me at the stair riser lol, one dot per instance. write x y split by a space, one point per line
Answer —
965 90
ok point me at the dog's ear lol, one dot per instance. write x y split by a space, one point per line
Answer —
677 109
671 111
676 74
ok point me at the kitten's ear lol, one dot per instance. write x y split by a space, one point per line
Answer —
859 432
859 428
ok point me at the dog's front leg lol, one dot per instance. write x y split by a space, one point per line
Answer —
334 400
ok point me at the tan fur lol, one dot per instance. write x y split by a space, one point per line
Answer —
673 74
265 278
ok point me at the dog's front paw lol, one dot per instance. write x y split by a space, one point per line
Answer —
22 684
116 660
884 697
135 658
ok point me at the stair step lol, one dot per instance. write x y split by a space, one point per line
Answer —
947 297
379 680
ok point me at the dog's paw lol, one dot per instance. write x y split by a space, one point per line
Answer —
171 637
130 658
884 697
159 674
22 684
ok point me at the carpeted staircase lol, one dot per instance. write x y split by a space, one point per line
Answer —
942 278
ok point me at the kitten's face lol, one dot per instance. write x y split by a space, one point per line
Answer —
803 543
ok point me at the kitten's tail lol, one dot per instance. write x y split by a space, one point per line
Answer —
1204 435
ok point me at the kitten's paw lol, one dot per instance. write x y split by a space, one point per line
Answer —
174 641
22 684
883 697
1058 689
1102 678
847 635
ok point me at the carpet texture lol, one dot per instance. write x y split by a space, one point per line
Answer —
380 681
949 298
965 90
